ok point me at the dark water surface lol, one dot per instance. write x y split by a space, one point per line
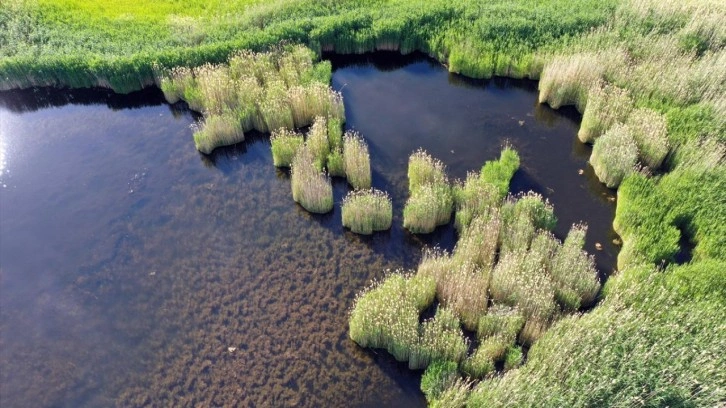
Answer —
136 272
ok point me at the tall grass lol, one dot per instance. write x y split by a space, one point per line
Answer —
216 131
357 160
614 155
267 91
473 198
574 272
366 211
500 172
310 187
650 132
317 141
336 163
441 339
431 201
285 144
424 170
606 105
438 377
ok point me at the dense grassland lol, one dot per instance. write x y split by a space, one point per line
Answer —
650 79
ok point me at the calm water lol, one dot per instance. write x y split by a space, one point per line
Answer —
136 272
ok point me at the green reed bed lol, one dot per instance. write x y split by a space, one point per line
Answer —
574 273
500 172
650 132
367 211
614 155
521 218
285 144
357 160
266 91
473 198
438 377
386 315
336 163
431 201
317 142
607 105
310 187
441 339
217 130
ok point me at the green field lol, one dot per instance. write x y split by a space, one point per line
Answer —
657 336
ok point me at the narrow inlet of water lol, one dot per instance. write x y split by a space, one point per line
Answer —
136 272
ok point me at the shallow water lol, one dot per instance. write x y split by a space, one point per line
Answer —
131 265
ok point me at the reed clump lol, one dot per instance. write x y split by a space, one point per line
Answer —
367 211
285 144
441 339
266 91
607 105
423 170
574 272
438 377
336 163
386 314
614 155
473 198
357 160
311 188
431 201
650 132
218 130
500 172
317 141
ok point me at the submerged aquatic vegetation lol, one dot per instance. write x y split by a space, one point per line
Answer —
285 144
357 160
366 211
310 187
614 155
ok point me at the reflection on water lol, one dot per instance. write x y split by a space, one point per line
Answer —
136 272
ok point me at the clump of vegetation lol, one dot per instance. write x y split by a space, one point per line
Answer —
607 105
427 208
218 130
500 172
566 79
513 358
310 187
366 211
521 218
425 170
357 160
317 142
386 315
473 198
266 91
431 200
285 144
336 163
574 272
650 132
441 339
438 377
614 155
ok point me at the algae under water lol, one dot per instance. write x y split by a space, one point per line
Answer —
136 272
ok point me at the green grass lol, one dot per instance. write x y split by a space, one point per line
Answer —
357 160
310 187
367 211
284 145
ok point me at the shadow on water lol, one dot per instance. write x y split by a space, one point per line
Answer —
137 272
